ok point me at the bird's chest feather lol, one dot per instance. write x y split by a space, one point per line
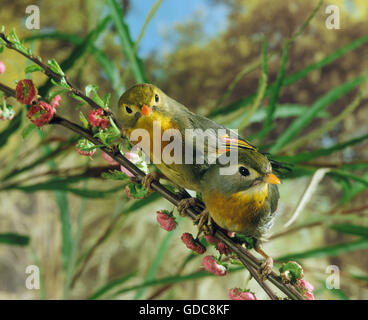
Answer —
237 212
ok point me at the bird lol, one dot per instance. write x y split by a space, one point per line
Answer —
244 201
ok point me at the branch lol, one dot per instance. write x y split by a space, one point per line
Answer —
249 261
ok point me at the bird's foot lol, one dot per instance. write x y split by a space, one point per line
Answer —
266 268
184 204
149 178
204 222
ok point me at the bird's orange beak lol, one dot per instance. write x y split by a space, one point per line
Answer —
146 110
272 179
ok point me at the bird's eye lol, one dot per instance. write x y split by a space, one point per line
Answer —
128 109
156 98
244 171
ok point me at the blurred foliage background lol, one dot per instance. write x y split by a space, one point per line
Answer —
67 219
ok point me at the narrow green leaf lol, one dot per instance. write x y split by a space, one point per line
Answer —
12 127
127 44
350 229
329 125
33 68
67 240
171 279
28 130
261 88
267 126
112 284
14 239
297 126
307 156
328 251
157 261
293 77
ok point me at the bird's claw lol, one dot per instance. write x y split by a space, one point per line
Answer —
204 222
184 204
266 268
149 178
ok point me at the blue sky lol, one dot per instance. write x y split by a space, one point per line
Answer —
170 13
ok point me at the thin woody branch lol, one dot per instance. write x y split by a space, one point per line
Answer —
247 259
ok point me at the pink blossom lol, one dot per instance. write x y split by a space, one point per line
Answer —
211 265
192 244
166 220
133 157
2 67
223 248
108 159
306 288
86 153
56 101
211 239
41 113
236 294
96 118
26 91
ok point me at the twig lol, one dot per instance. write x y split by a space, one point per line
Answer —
248 260
307 194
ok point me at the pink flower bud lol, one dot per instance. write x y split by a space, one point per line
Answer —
192 244
133 157
211 265
2 67
96 118
108 159
56 101
26 91
41 113
236 294
211 239
166 220
306 288
223 248
86 153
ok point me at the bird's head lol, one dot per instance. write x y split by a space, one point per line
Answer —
141 100
251 174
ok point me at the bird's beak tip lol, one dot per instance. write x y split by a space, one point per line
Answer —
272 179
146 110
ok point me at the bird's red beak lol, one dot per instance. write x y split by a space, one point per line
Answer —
272 179
146 110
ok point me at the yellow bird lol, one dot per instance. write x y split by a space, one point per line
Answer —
243 202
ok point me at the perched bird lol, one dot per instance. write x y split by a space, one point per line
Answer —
244 201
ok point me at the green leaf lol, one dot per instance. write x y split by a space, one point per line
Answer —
12 127
54 66
127 43
297 126
112 284
350 229
261 88
170 280
66 232
142 203
27 130
78 52
328 251
267 126
33 68
293 77
91 92
14 239
157 261
307 156
115 175
83 120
